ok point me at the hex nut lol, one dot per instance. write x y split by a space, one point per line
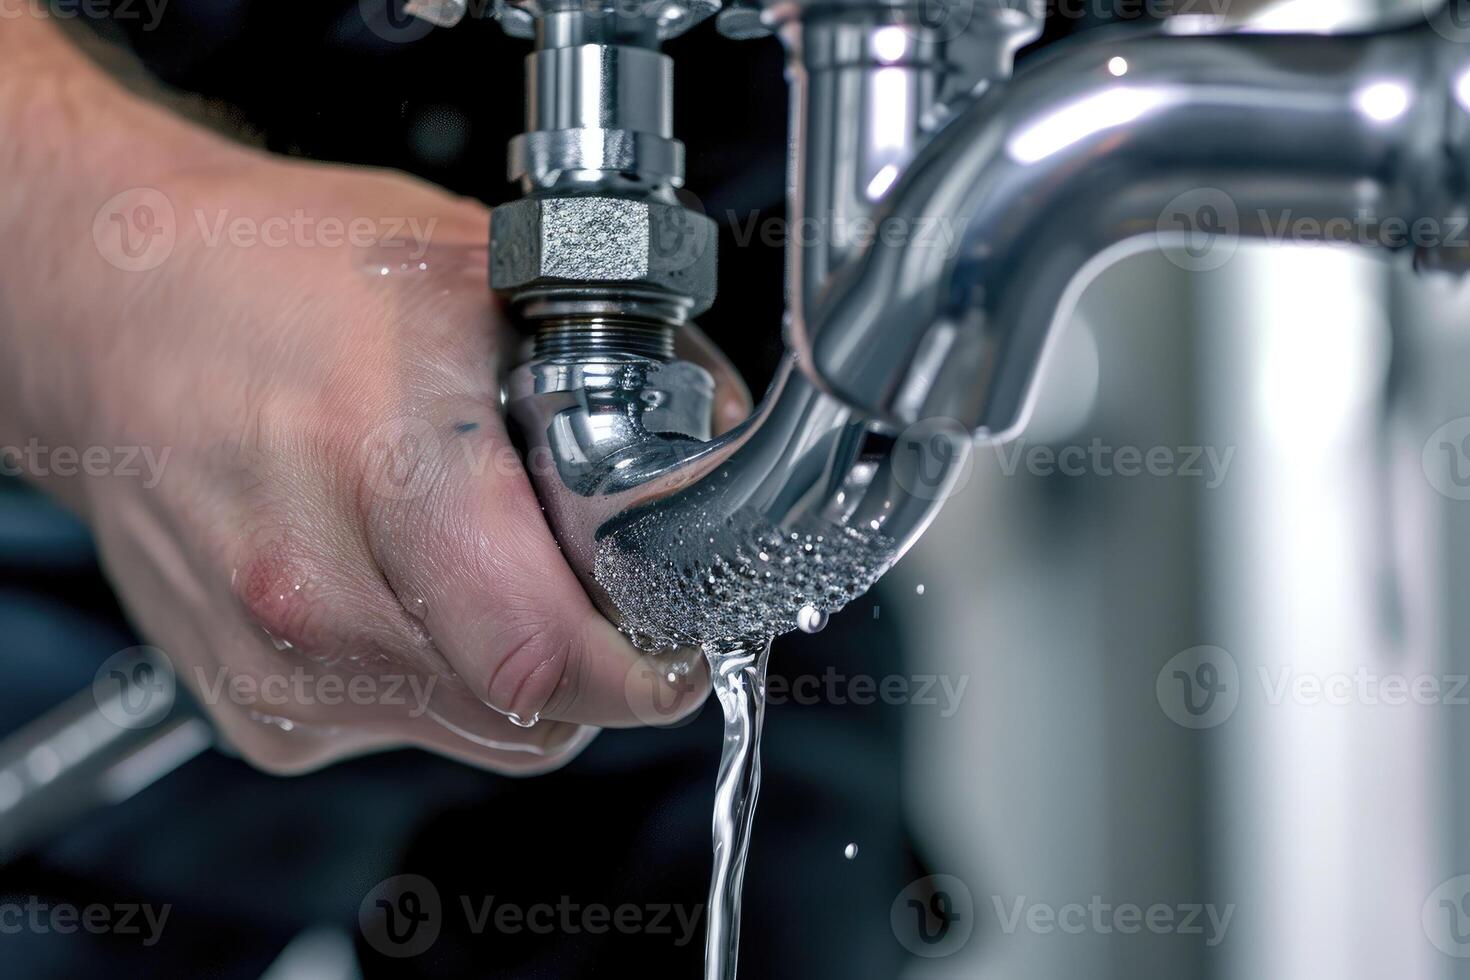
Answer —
544 241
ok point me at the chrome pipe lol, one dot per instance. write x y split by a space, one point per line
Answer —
1124 144
688 541
96 749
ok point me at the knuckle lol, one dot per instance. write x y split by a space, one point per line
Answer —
277 589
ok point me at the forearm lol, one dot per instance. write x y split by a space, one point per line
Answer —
68 133
71 141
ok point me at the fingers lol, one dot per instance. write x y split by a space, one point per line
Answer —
472 548
484 739
297 714
318 660
476 737
732 398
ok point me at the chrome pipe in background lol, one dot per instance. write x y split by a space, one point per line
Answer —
1328 826
100 747
1008 211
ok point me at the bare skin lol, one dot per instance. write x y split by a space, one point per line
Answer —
333 499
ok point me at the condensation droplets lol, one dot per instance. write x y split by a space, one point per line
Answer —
698 579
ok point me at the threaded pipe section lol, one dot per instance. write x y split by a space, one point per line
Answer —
587 336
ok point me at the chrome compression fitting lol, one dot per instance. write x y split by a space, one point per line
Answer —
600 252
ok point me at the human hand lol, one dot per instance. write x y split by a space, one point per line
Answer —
336 544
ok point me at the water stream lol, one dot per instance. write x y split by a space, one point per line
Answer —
727 584
739 679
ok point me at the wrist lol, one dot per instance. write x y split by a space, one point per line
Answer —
91 170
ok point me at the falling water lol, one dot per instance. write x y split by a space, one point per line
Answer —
739 678
726 583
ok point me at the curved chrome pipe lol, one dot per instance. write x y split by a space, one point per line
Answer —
686 541
1130 143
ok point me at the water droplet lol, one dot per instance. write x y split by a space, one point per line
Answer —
384 271
919 588
417 608
850 851
520 722
275 721
276 641
811 619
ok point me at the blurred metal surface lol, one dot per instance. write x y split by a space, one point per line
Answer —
1327 549
98 748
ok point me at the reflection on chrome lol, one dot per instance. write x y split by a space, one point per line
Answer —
1082 120
1045 181
997 199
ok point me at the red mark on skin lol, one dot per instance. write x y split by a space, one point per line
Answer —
273 588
